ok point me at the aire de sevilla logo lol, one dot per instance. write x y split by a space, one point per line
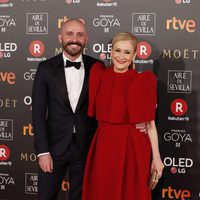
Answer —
144 50
36 48
179 107
4 152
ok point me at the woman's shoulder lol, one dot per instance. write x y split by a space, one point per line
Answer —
98 67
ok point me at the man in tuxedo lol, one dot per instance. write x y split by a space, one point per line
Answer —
62 129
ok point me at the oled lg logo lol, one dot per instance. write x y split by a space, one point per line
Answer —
179 137
182 1
173 193
72 1
36 49
106 22
6 22
178 165
102 50
178 24
6 49
178 108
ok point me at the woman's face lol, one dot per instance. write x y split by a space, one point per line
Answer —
122 55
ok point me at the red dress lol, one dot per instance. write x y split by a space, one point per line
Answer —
118 162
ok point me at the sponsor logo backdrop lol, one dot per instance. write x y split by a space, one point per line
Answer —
168 34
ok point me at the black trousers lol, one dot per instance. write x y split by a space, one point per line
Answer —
49 184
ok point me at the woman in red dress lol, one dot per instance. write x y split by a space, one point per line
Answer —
119 159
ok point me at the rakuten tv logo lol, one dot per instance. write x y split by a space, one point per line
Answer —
4 1
36 48
180 194
143 50
179 107
4 152
178 24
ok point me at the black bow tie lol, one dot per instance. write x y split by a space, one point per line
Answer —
77 65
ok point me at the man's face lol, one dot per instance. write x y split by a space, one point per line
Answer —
73 38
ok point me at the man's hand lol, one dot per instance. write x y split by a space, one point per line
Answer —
46 163
142 127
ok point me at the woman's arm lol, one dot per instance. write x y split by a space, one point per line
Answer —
157 163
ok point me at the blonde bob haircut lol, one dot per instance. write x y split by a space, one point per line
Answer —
125 36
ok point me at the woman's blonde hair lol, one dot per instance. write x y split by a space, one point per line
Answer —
124 36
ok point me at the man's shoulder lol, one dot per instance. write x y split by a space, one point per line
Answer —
90 59
53 60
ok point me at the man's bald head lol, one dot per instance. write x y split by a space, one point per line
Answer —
73 38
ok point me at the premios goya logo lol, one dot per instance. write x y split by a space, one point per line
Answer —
6 23
106 22
6 181
177 137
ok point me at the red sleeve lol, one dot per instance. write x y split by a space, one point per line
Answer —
142 98
94 84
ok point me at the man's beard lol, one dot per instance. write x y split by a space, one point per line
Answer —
71 51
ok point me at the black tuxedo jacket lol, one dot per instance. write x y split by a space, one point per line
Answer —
52 115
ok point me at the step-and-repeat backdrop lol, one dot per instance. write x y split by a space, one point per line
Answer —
169 45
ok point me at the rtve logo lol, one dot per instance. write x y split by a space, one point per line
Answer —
178 24
179 107
28 130
4 152
36 48
181 194
143 50
8 77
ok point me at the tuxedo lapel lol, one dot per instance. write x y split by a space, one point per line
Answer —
60 82
84 92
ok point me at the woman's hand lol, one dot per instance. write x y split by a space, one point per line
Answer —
157 165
